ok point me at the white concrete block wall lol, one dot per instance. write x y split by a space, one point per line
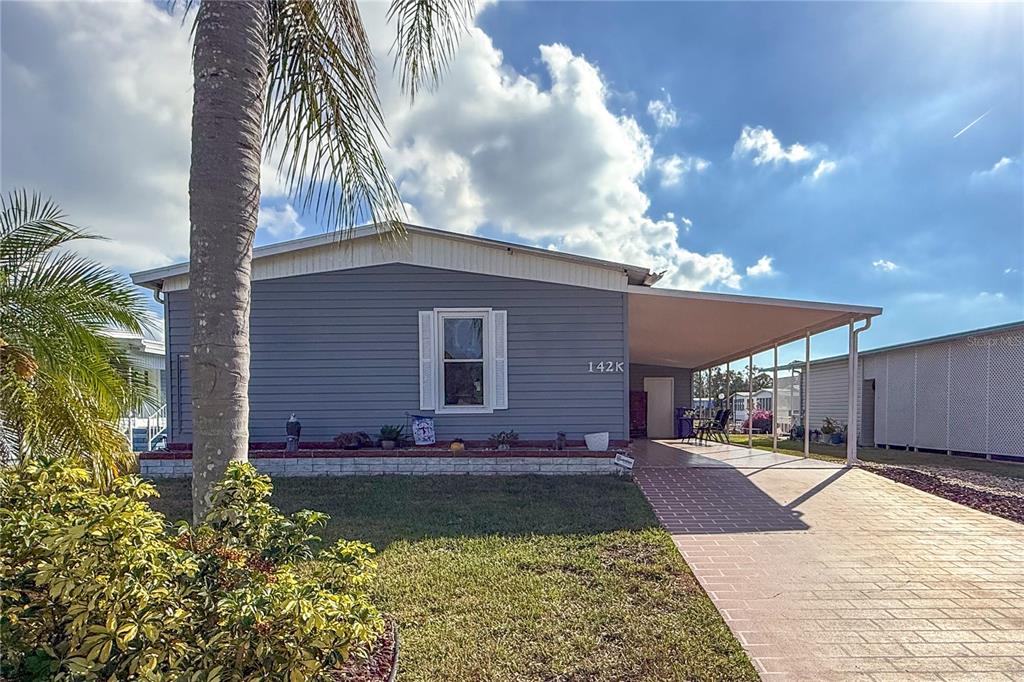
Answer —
371 466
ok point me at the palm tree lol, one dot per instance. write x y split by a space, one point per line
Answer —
63 384
295 78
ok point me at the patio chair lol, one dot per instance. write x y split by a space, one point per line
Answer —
716 430
702 431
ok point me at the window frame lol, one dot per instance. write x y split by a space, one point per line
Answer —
483 314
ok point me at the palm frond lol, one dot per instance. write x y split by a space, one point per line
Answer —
64 385
323 117
427 36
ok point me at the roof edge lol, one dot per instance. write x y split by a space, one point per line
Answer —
635 274
925 342
860 310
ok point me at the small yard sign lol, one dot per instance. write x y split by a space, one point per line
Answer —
624 461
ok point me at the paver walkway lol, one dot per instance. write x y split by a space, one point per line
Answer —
828 573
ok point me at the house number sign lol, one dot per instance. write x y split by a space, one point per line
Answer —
605 367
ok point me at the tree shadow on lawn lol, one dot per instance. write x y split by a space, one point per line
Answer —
385 509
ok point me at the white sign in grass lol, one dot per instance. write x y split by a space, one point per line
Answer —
624 461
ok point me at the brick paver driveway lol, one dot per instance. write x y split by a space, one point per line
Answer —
827 573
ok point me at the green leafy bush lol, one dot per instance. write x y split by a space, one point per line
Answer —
93 587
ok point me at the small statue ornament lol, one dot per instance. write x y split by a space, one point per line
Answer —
293 427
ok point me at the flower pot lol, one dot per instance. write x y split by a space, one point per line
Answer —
597 442
504 446
387 445
457 447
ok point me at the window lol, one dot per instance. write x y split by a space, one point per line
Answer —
463 360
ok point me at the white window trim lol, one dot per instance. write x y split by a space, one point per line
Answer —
488 352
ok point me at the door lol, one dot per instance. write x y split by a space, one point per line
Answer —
867 413
660 402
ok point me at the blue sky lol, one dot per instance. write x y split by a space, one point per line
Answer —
804 150
884 86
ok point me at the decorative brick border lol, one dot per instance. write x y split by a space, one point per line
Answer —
160 465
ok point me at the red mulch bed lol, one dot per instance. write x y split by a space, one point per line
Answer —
377 666
1007 506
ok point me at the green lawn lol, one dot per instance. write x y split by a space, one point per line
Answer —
833 453
522 578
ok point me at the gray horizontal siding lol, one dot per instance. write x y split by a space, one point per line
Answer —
341 350
830 384
683 380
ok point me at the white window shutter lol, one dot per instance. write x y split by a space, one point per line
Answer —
499 338
428 372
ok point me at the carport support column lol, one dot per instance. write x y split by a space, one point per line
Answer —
750 402
775 399
806 389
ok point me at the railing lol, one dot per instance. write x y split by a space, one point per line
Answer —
155 424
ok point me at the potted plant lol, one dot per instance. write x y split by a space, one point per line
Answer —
391 436
503 440
457 445
833 431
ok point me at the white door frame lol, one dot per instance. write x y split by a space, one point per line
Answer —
671 404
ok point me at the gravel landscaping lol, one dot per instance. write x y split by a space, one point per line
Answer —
985 492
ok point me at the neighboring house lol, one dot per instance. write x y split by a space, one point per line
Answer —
961 393
741 402
480 334
146 355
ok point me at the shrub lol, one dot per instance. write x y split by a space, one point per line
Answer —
503 438
95 588
353 440
762 421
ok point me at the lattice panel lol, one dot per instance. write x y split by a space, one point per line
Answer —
968 395
930 405
900 398
1006 393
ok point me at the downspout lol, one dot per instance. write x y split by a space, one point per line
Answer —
854 408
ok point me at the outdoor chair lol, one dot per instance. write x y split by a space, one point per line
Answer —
716 430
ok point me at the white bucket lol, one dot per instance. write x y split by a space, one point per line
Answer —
597 442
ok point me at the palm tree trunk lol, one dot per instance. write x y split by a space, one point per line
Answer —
230 66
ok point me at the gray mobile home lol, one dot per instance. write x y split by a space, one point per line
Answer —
482 335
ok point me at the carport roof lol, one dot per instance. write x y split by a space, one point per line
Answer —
697 330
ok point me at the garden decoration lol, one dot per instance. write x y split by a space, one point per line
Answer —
293 429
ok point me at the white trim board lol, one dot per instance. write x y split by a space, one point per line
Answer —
421 246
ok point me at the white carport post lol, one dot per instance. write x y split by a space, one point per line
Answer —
728 387
854 408
775 399
806 388
750 402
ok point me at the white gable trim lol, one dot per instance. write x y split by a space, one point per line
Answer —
422 247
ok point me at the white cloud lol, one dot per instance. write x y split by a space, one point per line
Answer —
1001 168
282 223
686 222
97 105
479 151
1009 271
664 114
673 168
763 268
762 144
884 265
823 168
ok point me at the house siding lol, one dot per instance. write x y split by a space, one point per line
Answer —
340 349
